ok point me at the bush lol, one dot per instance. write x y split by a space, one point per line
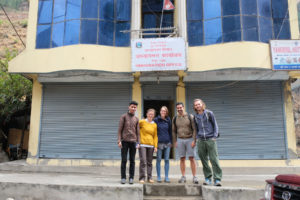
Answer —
15 4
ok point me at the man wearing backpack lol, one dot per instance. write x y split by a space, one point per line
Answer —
184 133
128 140
207 133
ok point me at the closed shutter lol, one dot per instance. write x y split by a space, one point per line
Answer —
161 91
250 116
81 120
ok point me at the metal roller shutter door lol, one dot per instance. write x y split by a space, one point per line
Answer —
81 120
250 116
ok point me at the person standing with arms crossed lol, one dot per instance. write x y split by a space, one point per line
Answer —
148 131
207 133
128 140
184 133
164 132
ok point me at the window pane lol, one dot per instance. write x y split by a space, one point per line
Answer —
107 9
73 9
106 33
195 33
45 12
230 7
281 29
58 34
250 28
43 36
123 10
59 11
88 34
265 29
280 8
122 39
167 20
249 7
150 21
72 32
264 8
231 29
213 31
89 9
212 9
194 9
152 5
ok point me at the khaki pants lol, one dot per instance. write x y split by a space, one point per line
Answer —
146 157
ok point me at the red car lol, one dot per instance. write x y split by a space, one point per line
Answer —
284 187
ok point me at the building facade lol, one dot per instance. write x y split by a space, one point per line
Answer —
79 57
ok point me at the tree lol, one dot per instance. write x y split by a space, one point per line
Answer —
15 90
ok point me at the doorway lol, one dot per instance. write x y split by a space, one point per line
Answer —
156 105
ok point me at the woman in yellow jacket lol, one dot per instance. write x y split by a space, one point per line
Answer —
148 137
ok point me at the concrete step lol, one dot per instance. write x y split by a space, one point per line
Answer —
174 189
172 198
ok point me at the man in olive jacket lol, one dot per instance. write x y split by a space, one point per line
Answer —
128 140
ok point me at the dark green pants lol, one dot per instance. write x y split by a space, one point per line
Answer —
207 150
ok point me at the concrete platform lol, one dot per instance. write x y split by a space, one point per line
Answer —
21 181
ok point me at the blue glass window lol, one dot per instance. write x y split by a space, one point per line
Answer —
250 28
281 29
43 36
73 9
72 32
212 9
264 7
122 39
280 9
89 9
45 12
230 7
58 32
195 33
59 11
107 10
195 9
231 29
88 33
123 10
213 31
106 33
249 7
265 31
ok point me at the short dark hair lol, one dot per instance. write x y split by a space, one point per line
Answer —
134 103
179 103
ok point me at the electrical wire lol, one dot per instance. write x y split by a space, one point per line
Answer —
12 25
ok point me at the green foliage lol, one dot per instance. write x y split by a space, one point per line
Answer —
15 90
15 4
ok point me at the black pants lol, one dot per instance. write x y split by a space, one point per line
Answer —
132 150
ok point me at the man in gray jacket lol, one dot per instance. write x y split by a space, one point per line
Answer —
128 139
207 133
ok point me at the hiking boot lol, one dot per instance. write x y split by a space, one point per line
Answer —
195 180
131 181
217 183
182 179
207 182
123 181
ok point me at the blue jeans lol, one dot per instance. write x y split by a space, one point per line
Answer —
166 152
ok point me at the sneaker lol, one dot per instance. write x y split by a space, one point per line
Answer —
142 181
167 180
123 181
195 180
207 181
218 183
158 179
182 179
150 181
131 181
